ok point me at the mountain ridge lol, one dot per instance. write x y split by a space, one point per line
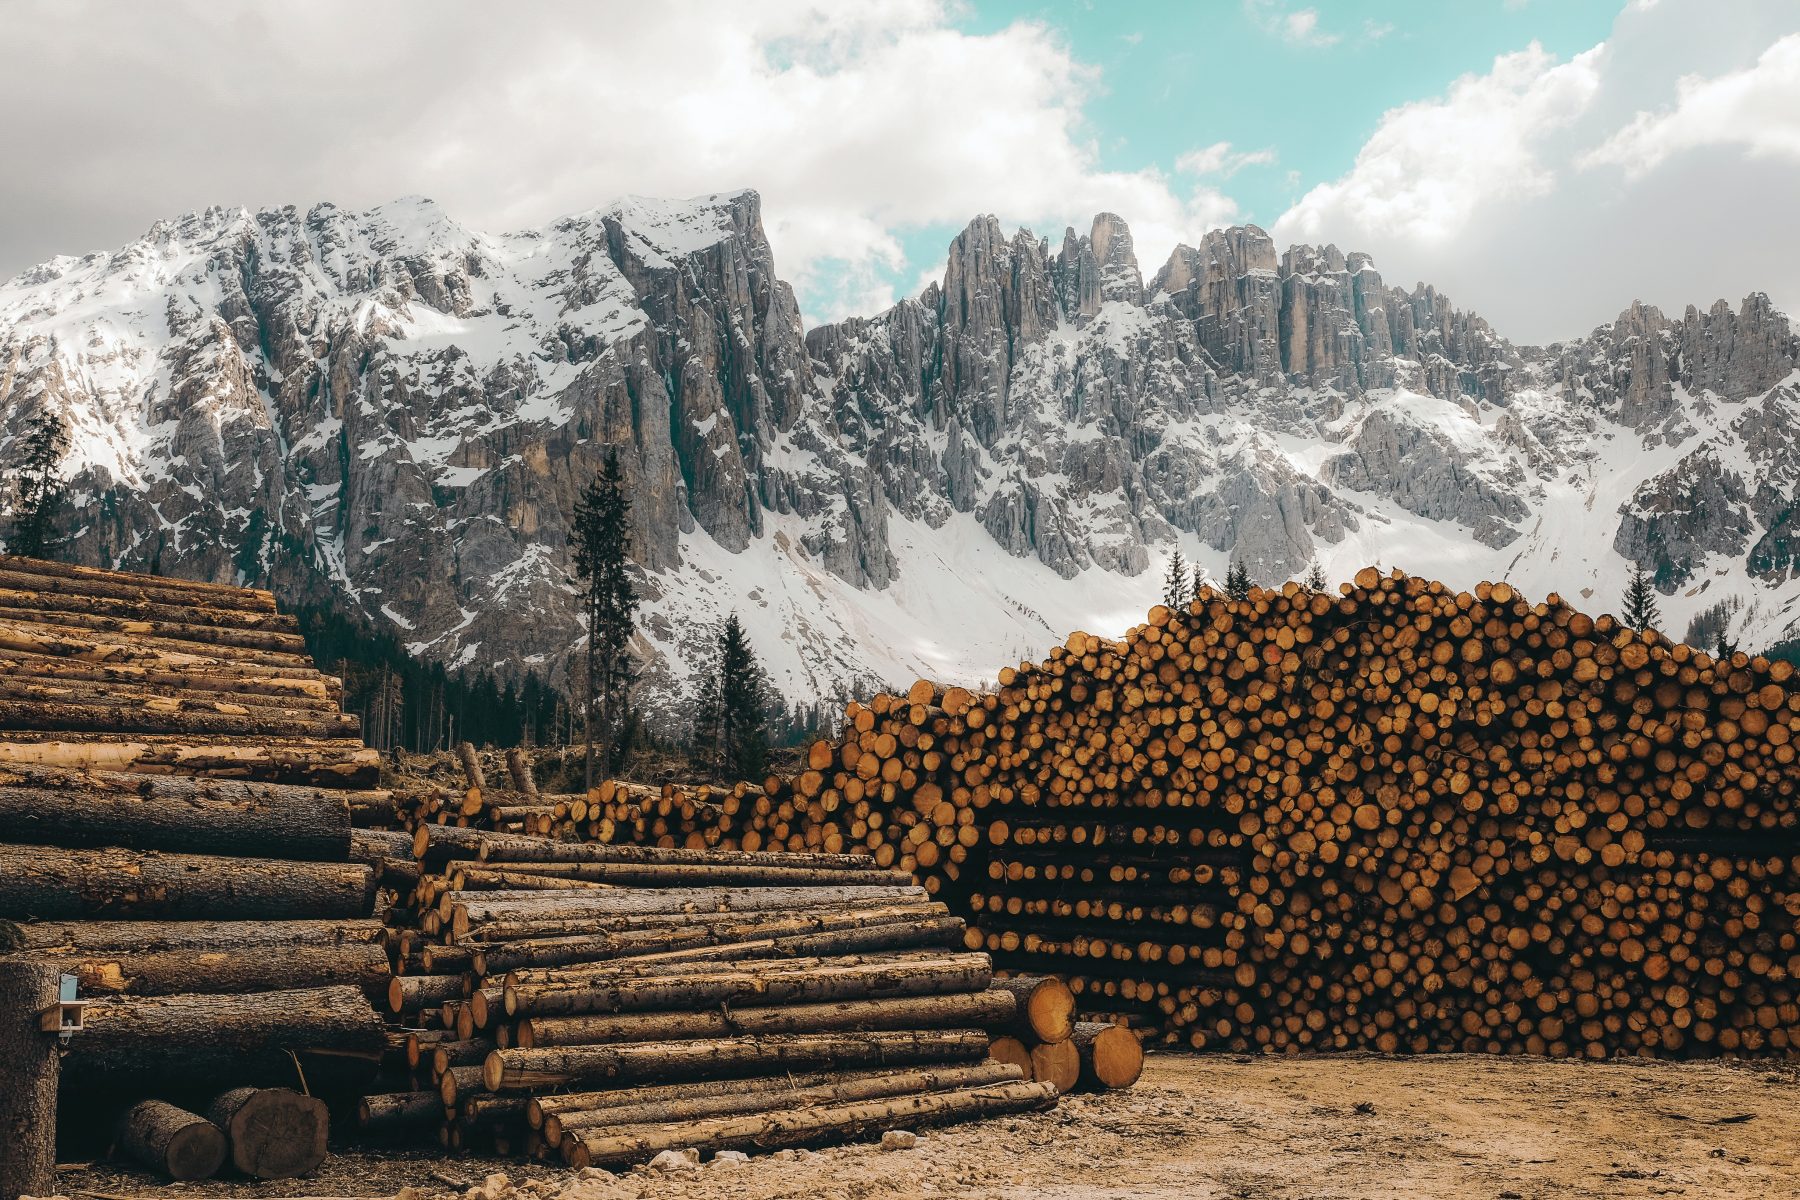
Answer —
393 412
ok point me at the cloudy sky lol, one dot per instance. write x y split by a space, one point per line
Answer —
1541 161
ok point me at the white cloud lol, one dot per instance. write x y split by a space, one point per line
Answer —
1299 26
1482 190
1757 108
857 122
1220 159
1433 165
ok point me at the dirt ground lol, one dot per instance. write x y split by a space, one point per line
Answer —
1216 1127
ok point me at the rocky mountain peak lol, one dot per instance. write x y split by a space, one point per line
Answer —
393 412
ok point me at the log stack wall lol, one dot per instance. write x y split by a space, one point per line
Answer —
179 790
1396 816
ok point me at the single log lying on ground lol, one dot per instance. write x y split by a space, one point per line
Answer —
1057 1063
840 1088
1111 1056
54 806
520 1070
29 1071
1013 1052
204 1042
274 1133
957 1010
53 883
172 1141
797 1127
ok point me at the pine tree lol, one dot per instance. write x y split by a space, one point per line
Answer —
37 493
743 705
704 745
1237 580
1640 602
602 550
1315 577
1175 582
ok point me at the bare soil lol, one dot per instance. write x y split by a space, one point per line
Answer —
1213 1127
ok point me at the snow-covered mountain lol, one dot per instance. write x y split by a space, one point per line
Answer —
391 410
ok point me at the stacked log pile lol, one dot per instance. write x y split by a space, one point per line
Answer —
597 1004
1399 817
177 793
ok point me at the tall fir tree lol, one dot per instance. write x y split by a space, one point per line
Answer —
743 705
1315 577
1237 580
37 492
1640 602
704 746
1175 582
602 552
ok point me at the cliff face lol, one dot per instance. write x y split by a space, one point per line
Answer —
395 412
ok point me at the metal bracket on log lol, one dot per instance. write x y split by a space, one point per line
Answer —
64 1018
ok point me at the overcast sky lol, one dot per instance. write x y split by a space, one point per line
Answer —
1541 161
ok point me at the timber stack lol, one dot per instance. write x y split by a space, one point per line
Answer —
1398 817
178 786
597 1004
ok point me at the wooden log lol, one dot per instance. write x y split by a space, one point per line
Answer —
519 767
475 908
63 939
411 993
53 806
54 883
197 613
499 958
215 676
957 1010
1057 1063
29 1072
1012 1052
254 968
521 1070
538 926
693 875
798 1127
1111 1057
490 847
339 762
172 1141
791 1093
174 715
204 1042
399 1114
471 765
274 1133
67 579
1045 1007
799 983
